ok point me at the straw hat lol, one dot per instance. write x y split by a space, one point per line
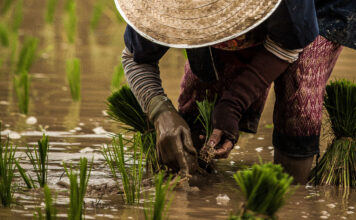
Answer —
194 23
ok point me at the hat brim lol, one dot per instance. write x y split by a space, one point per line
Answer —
199 26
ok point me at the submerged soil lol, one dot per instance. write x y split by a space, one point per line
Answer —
80 129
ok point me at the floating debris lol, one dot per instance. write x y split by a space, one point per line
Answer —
31 120
331 205
259 149
4 103
14 135
99 130
222 199
86 150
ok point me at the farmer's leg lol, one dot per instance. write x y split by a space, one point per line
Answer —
298 108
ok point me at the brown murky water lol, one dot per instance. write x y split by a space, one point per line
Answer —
81 129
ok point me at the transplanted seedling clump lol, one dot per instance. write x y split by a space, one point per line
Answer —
265 188
338 164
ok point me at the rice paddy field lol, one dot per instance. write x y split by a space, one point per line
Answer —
57 65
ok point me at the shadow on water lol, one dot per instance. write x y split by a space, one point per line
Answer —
80 129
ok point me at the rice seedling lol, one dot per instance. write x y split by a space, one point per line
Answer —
158 209
7 168
338 164
97 13
39 161
50 210
30 183
73 77
185 54
6 6
27 55
117 78
21 85
124 108
4 35
71 21
119 19
265 188
131 176
17 17
206 108
51 8
78 189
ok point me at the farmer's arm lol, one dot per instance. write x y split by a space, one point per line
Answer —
140 61
292 27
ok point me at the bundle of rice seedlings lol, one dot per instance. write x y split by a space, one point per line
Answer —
265 187
124 108
158 208
73 77
78 189
206 109
50 210
131 176
338 164
51 8
7 168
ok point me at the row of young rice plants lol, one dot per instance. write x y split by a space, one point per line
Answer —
78 180
9 38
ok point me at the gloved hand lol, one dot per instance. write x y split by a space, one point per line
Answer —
174 144
244 89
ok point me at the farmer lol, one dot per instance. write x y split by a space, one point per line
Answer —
236 49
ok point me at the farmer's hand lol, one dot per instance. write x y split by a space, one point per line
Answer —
174 144
220 143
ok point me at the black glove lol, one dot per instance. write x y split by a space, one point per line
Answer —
174 144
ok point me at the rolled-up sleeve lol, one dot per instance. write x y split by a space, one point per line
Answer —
140 61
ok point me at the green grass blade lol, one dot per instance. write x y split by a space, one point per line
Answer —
118 77
28 180
71 21
73 77
50 10
27 55
17 15
21 85
7 169
4 36
96 15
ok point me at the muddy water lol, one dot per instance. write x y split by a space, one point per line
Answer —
81 129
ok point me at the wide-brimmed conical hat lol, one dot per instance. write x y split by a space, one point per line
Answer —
194 23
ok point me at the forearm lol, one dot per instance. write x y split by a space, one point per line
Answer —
143 79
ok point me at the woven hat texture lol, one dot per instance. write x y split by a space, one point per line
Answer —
194 23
